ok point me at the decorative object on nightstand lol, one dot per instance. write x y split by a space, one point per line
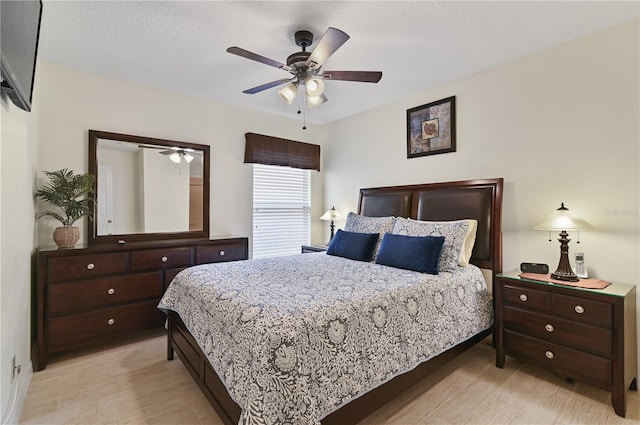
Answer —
562 220
332 215
71 193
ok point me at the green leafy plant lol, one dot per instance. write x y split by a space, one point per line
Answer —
71 193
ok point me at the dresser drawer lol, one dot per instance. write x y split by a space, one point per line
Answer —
98 293
86 266
527 298
570 333
576 364
584 310
74 330
160 258
221 252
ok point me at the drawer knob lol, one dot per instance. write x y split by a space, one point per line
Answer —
111 321
111 291
549 327
549 354
523 297
579 309
91 266
222 253
164 259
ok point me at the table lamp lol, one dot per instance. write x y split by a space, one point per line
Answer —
562 220
331 215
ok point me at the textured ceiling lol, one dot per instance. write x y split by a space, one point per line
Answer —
181 45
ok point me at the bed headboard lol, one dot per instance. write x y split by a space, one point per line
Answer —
476 199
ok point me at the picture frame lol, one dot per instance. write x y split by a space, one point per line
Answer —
431 128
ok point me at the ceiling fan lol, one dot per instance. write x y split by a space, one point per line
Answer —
176 155
306 67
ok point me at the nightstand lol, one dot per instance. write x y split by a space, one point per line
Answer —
313 248
583 334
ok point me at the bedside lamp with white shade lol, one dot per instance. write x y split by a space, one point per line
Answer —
332 215
562 221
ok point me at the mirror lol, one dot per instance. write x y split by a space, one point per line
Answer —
147 189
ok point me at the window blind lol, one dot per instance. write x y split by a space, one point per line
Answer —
268 150
281 210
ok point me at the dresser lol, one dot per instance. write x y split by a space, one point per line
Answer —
584 334
99 293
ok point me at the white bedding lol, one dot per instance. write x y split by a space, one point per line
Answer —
295 338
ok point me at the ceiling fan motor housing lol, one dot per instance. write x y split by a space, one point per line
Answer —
303 39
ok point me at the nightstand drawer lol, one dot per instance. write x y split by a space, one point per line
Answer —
572 334
583 310
576 364
86 266
99 293
527 298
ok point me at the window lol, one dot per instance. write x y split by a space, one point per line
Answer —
281 210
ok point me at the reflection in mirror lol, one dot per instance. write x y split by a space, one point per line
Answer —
148 187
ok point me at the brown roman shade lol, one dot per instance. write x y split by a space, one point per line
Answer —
269 150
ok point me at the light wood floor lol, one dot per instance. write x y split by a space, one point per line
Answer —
135 384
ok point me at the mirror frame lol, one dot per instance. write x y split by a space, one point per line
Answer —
95 239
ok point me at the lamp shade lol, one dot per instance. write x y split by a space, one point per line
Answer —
288 93
332 214
175 157
315 87
562 219
313 101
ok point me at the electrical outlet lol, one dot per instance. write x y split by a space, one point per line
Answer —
15 369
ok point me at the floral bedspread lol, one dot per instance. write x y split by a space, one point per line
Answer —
295 338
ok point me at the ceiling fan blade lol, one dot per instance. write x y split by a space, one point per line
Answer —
254 56
362 76
258 89
331 41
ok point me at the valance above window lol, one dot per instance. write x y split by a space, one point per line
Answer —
269 150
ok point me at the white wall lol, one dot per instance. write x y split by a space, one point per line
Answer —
74 102
18 167
165 193
561 125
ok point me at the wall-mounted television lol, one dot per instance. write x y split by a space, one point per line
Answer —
19 32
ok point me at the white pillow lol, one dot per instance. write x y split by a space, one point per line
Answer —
455 232
363 224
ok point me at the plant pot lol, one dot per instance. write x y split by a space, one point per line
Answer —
66 237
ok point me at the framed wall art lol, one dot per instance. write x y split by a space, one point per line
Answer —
431 128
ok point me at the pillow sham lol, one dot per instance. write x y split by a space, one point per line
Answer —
469 238
454 233
417 253
355 246
363 224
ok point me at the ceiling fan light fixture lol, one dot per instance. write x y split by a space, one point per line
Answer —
315 87
288 93
314 101
188 158
175 157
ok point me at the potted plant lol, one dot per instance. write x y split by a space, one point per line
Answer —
71 193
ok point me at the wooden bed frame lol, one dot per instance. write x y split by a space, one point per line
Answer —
476 199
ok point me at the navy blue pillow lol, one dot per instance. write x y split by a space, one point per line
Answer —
418 253
355 246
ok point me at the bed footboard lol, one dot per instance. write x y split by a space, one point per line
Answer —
180 340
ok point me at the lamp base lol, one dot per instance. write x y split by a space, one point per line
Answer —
567 277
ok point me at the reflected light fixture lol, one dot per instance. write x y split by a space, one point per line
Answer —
562 221
175 157
331 215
